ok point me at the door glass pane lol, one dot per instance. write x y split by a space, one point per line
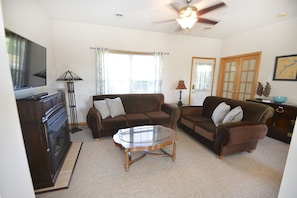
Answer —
230 88
227 66
202 77
252 64
229 95
226 78
225 86
242 86
248 87
243 77
232 76
245 65
240 97
224 94
250 77
233 67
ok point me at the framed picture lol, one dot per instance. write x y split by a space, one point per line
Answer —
285 68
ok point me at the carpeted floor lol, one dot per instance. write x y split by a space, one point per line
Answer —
197 172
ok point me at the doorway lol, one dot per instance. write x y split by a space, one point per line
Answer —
238 76
202 75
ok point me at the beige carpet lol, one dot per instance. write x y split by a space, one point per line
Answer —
65 174
196 172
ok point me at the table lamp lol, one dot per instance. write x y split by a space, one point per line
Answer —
180 86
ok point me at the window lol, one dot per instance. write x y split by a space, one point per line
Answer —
16 47
128 72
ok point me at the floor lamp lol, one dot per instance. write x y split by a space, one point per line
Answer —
181 85
70 77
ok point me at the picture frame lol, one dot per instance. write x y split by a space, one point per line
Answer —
285 68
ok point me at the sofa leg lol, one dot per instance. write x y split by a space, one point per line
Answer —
250 151
220 156
97 139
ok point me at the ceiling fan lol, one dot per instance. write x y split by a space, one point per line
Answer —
189 14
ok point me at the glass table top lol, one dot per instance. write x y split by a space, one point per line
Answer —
144 134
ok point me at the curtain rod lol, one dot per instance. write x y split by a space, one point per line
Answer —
129 52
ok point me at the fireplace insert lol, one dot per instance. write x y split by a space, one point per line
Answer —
58 140
44 123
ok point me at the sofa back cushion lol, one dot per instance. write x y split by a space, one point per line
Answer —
252 111
137 103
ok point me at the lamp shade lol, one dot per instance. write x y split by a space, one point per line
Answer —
187 22
188 17
181 85
69 76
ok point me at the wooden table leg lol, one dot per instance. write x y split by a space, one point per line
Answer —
127 160
174 152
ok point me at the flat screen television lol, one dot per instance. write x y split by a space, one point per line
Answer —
27 61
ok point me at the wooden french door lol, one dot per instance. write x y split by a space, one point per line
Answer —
238 76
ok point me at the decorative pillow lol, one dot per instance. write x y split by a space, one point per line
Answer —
220 112
236 114
102 107
116 107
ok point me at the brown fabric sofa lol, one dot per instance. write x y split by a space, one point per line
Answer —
140 109
230 137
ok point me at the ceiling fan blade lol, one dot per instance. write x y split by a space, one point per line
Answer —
211 8
178 29
207 21
175 6
164 21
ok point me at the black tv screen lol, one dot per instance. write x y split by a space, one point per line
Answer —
27 61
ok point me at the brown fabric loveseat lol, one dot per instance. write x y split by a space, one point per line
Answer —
229 137
140 109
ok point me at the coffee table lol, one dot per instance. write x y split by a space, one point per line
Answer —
149 139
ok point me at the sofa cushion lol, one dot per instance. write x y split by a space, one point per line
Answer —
142 103
137 119
207 130
236 114
190 120
158 117
116 107
114 123
102 107
220 112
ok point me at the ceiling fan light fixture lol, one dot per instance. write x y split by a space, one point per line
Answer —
187 22
188 17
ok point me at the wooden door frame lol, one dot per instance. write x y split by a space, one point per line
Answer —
191 74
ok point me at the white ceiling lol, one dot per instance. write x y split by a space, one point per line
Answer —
237 17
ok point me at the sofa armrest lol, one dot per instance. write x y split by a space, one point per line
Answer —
191 110
174 113
94 121
236 133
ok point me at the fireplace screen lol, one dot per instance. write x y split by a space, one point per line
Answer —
59 141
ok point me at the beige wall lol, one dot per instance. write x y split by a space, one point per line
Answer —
72 51
15 179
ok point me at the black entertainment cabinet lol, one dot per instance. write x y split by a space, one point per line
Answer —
281 125
45 129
